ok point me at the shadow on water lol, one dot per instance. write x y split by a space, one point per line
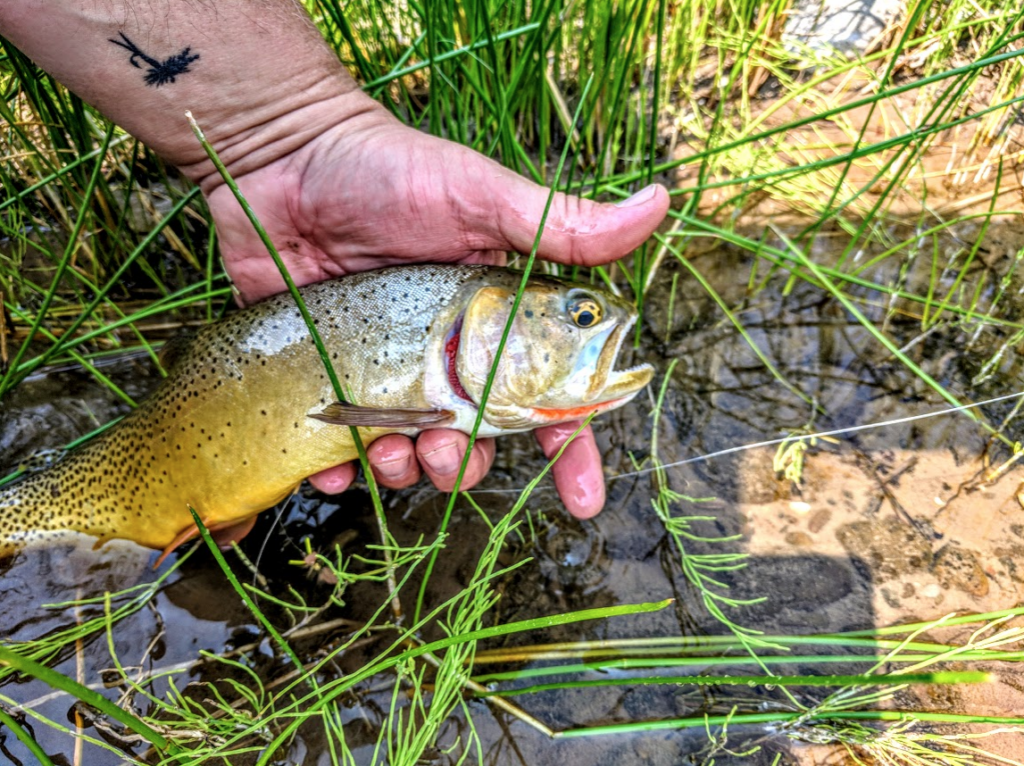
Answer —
886 526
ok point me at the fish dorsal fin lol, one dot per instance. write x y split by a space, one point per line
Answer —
344 414
175 347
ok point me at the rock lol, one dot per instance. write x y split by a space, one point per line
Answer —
848 27
890 547
960 568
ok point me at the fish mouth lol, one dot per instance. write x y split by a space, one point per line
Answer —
451 352
608 385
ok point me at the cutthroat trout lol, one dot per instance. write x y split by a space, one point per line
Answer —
247 410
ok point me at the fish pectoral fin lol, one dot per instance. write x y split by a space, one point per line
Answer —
188 533
224 534
344 414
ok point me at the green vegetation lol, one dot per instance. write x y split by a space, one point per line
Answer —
104 250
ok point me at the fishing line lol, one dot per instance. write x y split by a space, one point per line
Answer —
794 438
821 434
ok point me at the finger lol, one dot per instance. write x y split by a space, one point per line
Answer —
440 453
334 480
578 475
584 233
577 232
393 459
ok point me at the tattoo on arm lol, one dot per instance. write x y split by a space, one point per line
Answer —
159 72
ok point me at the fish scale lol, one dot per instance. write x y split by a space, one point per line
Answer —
229 432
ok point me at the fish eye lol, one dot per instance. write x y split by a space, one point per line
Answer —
584 311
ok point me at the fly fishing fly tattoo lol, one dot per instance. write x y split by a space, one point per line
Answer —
159 72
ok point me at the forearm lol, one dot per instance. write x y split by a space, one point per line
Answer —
255 73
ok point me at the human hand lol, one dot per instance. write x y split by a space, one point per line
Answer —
338 183
371 192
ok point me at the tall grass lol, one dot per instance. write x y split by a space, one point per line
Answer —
98 239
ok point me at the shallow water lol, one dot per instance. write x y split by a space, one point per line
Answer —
888 525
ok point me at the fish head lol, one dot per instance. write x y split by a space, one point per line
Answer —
558 363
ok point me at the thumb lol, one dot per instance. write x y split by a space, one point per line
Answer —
577 232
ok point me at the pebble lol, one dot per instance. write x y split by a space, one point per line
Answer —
932 590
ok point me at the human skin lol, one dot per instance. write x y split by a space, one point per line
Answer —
338 183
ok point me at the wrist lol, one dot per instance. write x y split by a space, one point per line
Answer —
256 74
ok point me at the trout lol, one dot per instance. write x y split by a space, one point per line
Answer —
247 409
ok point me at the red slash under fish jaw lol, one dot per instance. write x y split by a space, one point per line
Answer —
561 415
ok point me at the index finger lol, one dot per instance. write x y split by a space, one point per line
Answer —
577 473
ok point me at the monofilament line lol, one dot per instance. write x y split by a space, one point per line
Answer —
820 434
797 437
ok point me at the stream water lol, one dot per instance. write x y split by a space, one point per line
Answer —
887 525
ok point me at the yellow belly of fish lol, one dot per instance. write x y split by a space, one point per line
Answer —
138 481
